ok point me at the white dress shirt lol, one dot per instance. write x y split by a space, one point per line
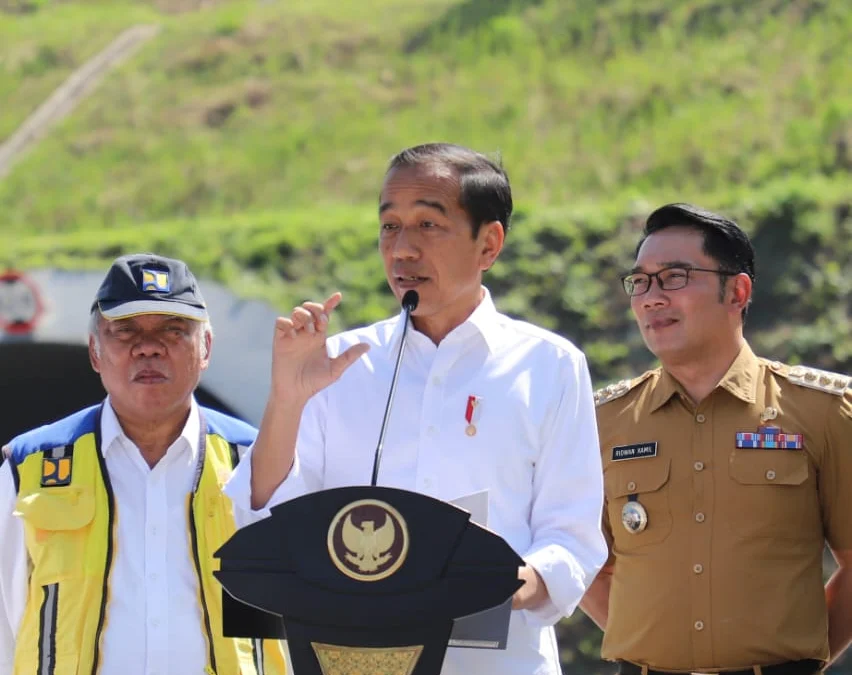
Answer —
154 624
535 450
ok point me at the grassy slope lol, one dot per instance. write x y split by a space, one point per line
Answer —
39 50
263 106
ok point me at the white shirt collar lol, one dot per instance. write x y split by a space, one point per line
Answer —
111 428
485 320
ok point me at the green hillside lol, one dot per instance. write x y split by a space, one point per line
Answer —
252 105
250 138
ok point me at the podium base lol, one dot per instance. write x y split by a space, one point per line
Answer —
324 650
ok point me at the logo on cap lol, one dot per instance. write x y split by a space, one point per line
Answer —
155 281
368 540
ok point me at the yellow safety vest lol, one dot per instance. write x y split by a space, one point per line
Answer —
66 503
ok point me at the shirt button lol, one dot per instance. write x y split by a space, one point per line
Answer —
698 466
431 430
427 482
699 625
155 622
698 568
699 517
436 381
770 475
700 418
631 486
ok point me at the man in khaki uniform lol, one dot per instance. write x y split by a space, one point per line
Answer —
725 474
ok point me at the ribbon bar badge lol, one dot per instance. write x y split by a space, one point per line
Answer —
472 413
768 438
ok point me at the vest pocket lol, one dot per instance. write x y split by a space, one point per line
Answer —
56 522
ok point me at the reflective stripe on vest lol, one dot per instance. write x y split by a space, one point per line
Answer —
47 630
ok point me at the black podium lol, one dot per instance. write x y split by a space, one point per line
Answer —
363 579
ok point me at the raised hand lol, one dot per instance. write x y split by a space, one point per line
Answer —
300 363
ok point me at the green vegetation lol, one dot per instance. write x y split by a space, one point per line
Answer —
250 138
257 106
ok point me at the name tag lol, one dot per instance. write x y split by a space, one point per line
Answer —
635 451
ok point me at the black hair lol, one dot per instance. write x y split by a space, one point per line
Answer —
484 190
724 240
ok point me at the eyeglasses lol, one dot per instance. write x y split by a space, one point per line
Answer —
669 279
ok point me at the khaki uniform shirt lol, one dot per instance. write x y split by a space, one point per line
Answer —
728 570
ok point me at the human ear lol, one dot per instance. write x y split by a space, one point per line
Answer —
492 237
94 354
741 289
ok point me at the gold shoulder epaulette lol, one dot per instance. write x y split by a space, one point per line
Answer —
619 389
823 380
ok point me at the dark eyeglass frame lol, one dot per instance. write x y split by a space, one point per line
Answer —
628 285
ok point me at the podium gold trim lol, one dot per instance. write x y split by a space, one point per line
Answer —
337 660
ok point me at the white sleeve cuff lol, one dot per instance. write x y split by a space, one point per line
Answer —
565 580
238 489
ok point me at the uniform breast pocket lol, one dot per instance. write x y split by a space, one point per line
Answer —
56 524
647 479
772 495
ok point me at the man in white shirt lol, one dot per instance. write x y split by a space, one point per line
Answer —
110 517
484 402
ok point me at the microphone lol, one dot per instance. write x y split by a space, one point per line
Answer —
410 300
409 304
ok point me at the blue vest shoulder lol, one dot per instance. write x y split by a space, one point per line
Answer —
53 435
229 428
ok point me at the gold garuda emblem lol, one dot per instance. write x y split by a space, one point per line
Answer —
368 540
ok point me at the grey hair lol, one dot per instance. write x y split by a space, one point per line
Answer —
95 321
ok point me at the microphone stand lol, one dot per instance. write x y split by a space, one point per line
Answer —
409 304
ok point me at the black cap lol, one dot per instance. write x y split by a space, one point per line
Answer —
144 283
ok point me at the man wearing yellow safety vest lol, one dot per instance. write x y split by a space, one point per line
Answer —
109 518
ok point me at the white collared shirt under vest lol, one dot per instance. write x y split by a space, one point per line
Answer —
535 450
154 623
